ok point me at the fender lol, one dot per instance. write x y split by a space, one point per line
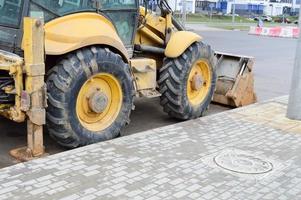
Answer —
71 32
179 42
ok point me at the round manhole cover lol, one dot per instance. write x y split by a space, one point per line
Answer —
242 162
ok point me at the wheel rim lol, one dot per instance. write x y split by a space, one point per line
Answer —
99 102
199 81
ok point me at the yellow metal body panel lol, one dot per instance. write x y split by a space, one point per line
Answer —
145 73
159 31
147 37
35 69
157 23
35 87
71 32
179 42
152 30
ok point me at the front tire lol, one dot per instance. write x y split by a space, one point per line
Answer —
187 83
90 97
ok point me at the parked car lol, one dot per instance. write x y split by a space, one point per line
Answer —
283 20
230 14
263 18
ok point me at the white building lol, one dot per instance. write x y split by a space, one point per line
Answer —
177 5
269 8
260 7
274 9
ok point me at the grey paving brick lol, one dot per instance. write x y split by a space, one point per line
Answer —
132 175
207 189
134 193
210 195
39 190
225 195
119 192
194 187
8 189
162 181
154 198
181 194
51 192
194 195
44 178
42 184
71 197
90 191
118 186
104 192
176 181
58 184
88 197
91 173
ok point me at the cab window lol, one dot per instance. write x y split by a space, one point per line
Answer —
117 4
121 12
55 8
62 7
10 12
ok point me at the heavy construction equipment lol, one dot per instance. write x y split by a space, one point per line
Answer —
96 56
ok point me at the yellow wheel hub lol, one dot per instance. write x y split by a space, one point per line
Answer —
99 102
198 83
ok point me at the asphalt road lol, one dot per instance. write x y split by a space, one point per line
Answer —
274 58
273 68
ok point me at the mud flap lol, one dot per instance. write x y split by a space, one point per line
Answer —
235 84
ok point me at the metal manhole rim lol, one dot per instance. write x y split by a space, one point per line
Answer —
270 164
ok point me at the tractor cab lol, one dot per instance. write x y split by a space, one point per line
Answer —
122 14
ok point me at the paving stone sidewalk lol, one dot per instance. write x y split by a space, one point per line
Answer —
248 153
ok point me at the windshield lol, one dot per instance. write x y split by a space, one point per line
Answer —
10 12
56 8
121 12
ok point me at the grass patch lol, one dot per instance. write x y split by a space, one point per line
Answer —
242 26
201 18
215 18
230 27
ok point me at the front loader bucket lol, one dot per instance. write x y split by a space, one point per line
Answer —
235 83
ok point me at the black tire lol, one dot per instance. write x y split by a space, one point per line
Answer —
173 82
63 84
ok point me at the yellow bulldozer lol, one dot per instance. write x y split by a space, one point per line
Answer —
95 57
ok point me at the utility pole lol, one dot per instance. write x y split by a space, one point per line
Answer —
272 9
184 12
293 6
294 102
211 7
233 13
283 11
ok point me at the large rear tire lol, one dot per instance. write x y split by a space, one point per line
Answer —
90 97
187 83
